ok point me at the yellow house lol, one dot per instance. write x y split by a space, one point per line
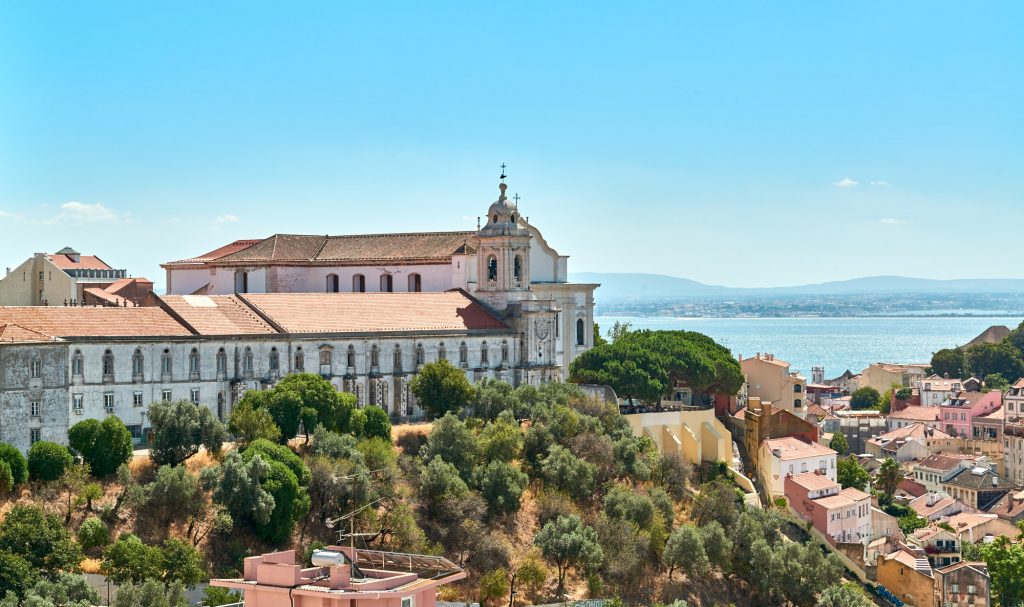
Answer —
696 435
881 376
907 574
55 278
769 379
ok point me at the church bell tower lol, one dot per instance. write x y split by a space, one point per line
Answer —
503 255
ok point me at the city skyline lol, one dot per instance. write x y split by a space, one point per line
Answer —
851 141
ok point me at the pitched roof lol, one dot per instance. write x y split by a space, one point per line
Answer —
938 503
85 262
918 563
794 448
912 487
943 461
365 248
767 358
964 521
939 383
12 333
217 314
846 497
812 481
916 413
980 479
911 431
109 297
453 310
964 399
94 321
1010 506
228 249
979 566
991 335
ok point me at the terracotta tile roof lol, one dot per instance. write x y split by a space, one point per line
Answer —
366 248
765 359
910 560
217 253
969 520
109 297
217 314
1010 506
794 448
921 506
943 461
12 333
85 262
812 481
968 400
916 413
846 497
979 566
94 321
912 487
918 430
926 533
453 310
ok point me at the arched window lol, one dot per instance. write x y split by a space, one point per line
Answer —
517 268
332 283
415 283
138 363
220 405
397 364
193 362
300 360
483 354
442 353
108 366
495 219
797 388
325 356
350 356
386 283
463 354
165 362
275 360
580 334
492 268
247 361
76 363
358 283
420 355
222 362
374 356
241 282
504 352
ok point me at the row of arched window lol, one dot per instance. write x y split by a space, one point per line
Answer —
327 355
517 268
387 283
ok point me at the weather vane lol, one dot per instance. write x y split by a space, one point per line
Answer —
502 172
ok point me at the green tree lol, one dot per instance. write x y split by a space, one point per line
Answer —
502 486
685 551
850 473
41 539
493 585
377 424
717 501
1000 358
493 397
284 406
619 329
47 461
948 361
6 479
150 593
865 398
289 501
838 443
624 503
214 596
18 465
599 340
843 595
563 470
502 439
566 542
634 373
16 574
237 484
890 474
442 388
334 445
279 453
995 381
451 440
104 445
717 546
130 560
332 409
67 590
179 428
181 562
93 534
1005 561
175 494
248 423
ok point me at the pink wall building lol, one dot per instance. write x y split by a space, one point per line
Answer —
843 515
343 577
959 410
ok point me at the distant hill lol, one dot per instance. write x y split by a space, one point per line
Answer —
623 286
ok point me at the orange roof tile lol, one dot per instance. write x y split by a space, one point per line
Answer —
217 314
374 312
11 332
323 250
109 297
217 253
916 413
85 262
846 497
94 321
794 448
812 481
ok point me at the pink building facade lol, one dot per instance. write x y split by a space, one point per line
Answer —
958 412
842 515
346 577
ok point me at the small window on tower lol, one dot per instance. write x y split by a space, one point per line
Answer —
492 268
517 268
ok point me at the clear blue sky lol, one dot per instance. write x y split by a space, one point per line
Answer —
743 144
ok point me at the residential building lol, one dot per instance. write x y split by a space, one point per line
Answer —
934 506
941 546
938 468
55 278
907 574
780 457
935 389
1010 507
959 411
1014 400
507 264
1013 449
761 421
977 487
907 416
341 575
858 426
978 527
963 584
882 376
908 443
124 292
769 379
842 515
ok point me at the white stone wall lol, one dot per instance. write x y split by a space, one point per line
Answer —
18 390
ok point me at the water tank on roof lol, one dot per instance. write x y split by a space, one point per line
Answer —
327 558
979 471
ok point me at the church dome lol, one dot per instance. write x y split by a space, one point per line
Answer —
502 216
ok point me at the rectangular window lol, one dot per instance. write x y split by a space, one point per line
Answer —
76 403
194 395
408 601
108 402
167 396
33 436
36 369
33 407
136 431
137 399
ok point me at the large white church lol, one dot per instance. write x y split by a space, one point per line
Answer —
364 312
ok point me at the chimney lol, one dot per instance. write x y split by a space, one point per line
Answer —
945 375
758 356
740 356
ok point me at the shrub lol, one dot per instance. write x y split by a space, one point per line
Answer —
103 445
377 423
47 461
93 533
17 463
